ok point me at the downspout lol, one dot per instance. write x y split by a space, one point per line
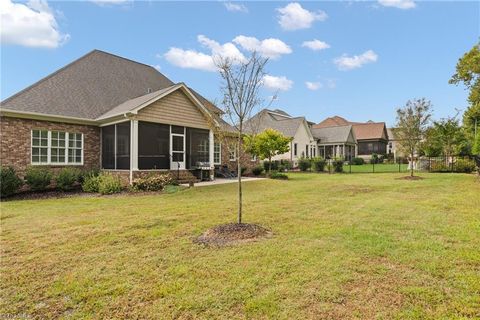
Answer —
130 176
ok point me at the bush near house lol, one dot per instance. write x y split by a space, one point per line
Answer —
109 184
38 178
9 181
67 177
278 176
90 183
338 165
358 161
304 164
319 164
152 183
257 170
273 165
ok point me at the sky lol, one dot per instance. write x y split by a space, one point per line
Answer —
357 59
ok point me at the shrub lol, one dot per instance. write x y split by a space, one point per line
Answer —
243 170
9 181
338 165
152 183
38 178
281 168
287 164
109 184
319 164
278 175
439 166
358 161
88 173
304 164
257 170
464 165
67 177
90 183
274 165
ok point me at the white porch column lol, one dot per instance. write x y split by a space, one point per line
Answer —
210 151
133 148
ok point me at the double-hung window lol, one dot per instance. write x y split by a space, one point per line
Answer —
232 155
56 147
217 151
40 146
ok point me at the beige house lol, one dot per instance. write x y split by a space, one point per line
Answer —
303 143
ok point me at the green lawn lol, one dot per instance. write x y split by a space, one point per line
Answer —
344 246
381 167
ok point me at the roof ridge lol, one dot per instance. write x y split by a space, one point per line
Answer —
130 60
49 75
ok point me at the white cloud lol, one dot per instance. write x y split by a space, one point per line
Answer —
227 50
316 45
400 4
313 85
277 83
236 7
190 59
32 24
348 63
294 17
269 48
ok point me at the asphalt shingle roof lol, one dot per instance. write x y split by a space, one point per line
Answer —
338 134
287 125
92 86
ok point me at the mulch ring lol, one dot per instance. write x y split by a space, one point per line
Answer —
231 234
410 178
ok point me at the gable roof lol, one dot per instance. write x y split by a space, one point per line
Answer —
336 134
273 119
332 122
90 87
370 130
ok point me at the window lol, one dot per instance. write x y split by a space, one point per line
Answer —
217 152
254 157
153 145
57 147
232 155
295 152
39 146
306 151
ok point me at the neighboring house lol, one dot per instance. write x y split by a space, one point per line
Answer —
336 142
372 137
105 111
303 143
393 144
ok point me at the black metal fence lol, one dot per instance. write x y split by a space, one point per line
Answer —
461 164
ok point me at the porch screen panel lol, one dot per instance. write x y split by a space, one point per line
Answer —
153 146
123 145
198 146
108 147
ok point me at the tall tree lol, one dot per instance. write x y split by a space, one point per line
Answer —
448 136
242 81
468 73
411 126
268 144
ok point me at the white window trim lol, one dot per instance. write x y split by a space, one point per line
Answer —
49 149
254 158
234 152
219 153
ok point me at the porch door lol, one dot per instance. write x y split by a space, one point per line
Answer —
177 147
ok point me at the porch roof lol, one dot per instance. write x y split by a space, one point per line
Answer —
330 135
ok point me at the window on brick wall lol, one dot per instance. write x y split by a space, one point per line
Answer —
56 147
217 152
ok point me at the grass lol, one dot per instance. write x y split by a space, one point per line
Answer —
381 167
344 246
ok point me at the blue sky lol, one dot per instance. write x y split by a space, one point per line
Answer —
370 57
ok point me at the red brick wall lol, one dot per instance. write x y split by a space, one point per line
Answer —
15 136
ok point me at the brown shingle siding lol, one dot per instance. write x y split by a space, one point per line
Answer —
15 137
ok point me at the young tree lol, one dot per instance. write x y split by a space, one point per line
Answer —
411 126
242 81
268 144
448 136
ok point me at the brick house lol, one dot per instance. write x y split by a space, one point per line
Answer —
108 112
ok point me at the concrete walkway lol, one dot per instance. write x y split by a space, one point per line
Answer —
222 181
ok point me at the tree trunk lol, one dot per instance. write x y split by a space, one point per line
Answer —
269 165
239 173
411 164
